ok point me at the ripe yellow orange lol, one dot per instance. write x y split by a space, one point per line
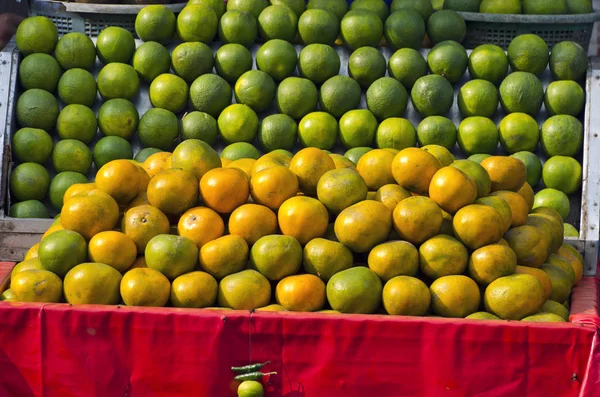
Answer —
52 229
143 223
242 164
304 218
112 248
529 244
394 258
224 189
252 221
390 195
506 173
119 178
269 160
519 208
225 162
454 296
145 287
301 293
341 161
245 290
362 226
140 199
224 256
499 205
452 189
413 169
78 188
542 277
173 191
417 219
272 186
309 165
527 193
194 290
144 178
201 225
340 188
568 254
156 163
491 262
32 252
375 167
90 213
443 256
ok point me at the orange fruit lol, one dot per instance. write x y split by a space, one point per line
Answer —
224 189
225 162
171 255
390 195
269 160
529 244
245 290
309 165
414 168
301 293
252 221
195 156
52 229
145 287
527 193
478 225
341 161
140 261
573 261
120 179
276 256
542 277
394 258
201 225
501 206
173 191
491 262
224 256
454 296
376 168
443 256
364 225
140 199
194 290
452 189
506 173
304 218
272 186
340 188
114 249
518 206
242 164
90 213
78 188
143 223
417 219
156 163
32 253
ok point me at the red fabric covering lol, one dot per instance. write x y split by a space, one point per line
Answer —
58 350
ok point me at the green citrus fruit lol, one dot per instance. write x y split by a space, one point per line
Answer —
75 50
71 155
150 60
357 128
478 158
319 62
253 7
462 5
29 209
379 7
277 131
542 7
296 97
317 26
432 95
211 94
217 6
143 154
169 92
197 23
564 97
36 34
387 98
62 250
354 154
77 86
277 22
77 122
118 80
37 109
39 71
255 89
437 130
519 132
554 199
32 145
404 29
580 6
337 7
191 60
240 150
477 135
568 61
238 27
278 58
562 173
339 95
355 290
360 28
59 185
238 123
366 65
478 98
407 66
488 62
395 133
118 117
115 44
528 53
155 23
423 7
111 148
570 230
158 128
29 181
500 7
477 173
448 59
446 25
521 92
318 129
533 164
231 61
562 136
199 125
250 388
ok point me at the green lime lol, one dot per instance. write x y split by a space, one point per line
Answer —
562 173
554 199
479 157
218 6
277 131
528 53
197 23
151 60
115 44
357 128
404 29
277 22
437 4
29 209
32 145
284 152
250 388
533 164
339 95
437 130
232 61
77 86
521 92
62 250
580 6
211 94
432 95
155 23
462 5
568 61
570 231
118 80
500 7
59 185
488 62
519 132
356 153
278 58
77 122
296 97
387 98
39 71
319 62
379 7
191 60
158 128
240 150
423 7
111 148
75 50
318 129
366 65
37 109
71 155
543 7
446 25
238 27
339 8
562 135
407 66
564 97
29 181
253 7
316 26
255 89
395 133
477 135
143 154
478 98
118 117
169 92
298 6
361 28
36 34
238 123
199 125
448 59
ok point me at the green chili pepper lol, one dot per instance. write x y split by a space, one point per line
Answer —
249 368
253 376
